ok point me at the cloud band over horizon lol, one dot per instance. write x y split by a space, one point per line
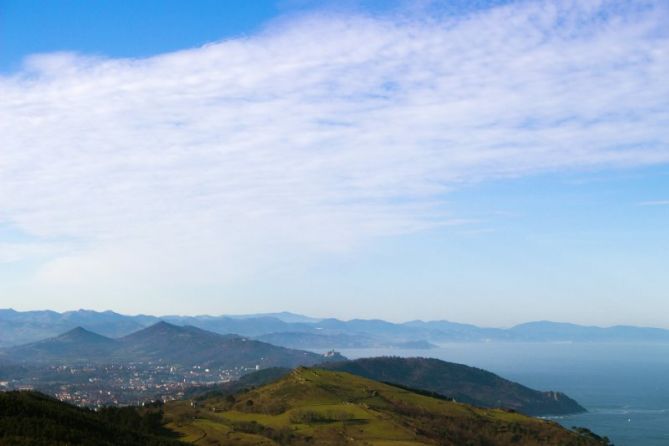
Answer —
314 136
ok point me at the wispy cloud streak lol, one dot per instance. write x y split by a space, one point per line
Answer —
320 132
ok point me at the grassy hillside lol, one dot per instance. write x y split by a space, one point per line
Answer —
320 407
463 383
460 382
30 418
244 383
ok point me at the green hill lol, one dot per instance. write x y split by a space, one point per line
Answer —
244 383
323 407
463 383
31 418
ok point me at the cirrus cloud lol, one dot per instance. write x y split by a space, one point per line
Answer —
318 133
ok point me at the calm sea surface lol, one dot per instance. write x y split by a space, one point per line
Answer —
625 387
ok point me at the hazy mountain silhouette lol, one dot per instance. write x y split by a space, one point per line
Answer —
194 346
293 330
75 345
186 346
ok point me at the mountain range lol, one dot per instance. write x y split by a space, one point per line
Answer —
297 331
161 342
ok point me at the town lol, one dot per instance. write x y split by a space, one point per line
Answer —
120 384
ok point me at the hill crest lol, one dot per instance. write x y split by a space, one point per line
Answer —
463 383
325 407
81 334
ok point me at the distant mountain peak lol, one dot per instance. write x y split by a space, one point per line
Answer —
80 334
73 345
160 328
164 325
79 330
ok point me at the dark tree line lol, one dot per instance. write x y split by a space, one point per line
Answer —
31 418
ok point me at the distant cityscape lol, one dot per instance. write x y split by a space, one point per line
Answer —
98 385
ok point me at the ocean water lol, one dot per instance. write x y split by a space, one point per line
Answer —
625 387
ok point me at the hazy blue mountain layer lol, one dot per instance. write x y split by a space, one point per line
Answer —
161 342
296 331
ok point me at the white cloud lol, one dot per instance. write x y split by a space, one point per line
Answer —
319 133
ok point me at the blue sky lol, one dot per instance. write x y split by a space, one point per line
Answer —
348 159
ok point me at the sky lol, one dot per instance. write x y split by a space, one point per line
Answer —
485 162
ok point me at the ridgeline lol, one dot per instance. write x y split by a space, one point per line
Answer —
324 407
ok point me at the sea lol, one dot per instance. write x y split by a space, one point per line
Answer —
624 387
